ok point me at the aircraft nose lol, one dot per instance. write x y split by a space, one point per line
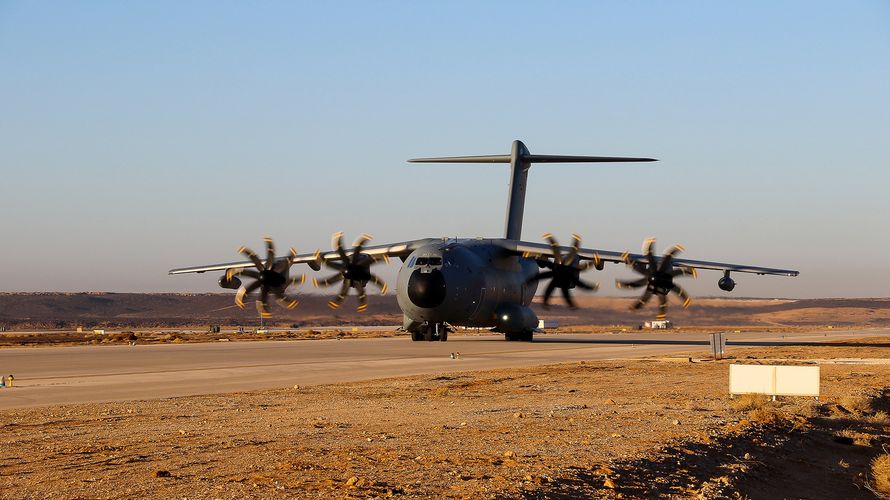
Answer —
426 289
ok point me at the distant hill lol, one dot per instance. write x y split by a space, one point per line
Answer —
64 310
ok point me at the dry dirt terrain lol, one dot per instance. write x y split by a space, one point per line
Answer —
593 429
65 311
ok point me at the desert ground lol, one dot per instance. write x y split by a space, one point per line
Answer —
588 411
609 428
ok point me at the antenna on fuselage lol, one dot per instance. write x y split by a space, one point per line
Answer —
520 161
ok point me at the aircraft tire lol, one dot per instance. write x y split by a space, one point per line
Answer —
417 336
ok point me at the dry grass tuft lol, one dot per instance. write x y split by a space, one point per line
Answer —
857 405
880 473
854 437
747 402
766 415
881 418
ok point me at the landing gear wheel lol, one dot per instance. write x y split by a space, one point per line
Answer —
443 335
519 336
417 336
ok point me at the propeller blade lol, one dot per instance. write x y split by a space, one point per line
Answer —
362 298
270 252
567 295
359 244
668 259
643 299
337 243
631 283
286 300
554 247
683 296
262 304
684 271
548 292
330 280
540 276
649 250
662 307
596 262
298 280
245 291
380 284
338 300
250 254
576 246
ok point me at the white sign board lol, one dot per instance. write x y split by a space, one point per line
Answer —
774 380
797 381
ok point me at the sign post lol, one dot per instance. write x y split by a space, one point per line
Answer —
718 345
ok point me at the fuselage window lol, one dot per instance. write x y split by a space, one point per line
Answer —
421 261
435 261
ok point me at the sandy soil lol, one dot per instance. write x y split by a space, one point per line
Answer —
630 429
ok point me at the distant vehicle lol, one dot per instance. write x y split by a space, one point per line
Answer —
481 282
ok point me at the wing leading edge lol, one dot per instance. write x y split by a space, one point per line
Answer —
529 249
401 250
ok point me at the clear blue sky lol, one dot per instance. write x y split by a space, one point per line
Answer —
140 136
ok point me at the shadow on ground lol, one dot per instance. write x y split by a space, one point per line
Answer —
796 458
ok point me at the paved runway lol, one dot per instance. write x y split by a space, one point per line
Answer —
57 375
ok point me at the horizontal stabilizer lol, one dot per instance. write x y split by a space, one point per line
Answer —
464 159
529 159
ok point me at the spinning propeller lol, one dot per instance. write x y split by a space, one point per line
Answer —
353 270
658 277
270 277
565 271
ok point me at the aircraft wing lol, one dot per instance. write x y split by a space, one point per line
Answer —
401 250
533 250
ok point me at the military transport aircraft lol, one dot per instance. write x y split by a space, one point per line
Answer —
481 282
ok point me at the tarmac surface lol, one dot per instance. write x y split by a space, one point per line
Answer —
79 374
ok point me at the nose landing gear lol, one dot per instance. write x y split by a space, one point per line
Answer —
431 332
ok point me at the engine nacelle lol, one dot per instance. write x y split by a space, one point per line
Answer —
232 284
726 283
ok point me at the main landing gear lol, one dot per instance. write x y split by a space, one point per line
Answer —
519 336
431 332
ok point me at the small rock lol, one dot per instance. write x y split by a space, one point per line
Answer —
518 415
676 422
182 432
351 481
747 456
509 454
463 424
608 483
296 387
162 473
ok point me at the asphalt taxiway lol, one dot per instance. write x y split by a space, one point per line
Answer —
78 374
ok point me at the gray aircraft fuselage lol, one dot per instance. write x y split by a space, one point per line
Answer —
471 282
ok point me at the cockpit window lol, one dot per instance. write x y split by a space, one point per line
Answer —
429 261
